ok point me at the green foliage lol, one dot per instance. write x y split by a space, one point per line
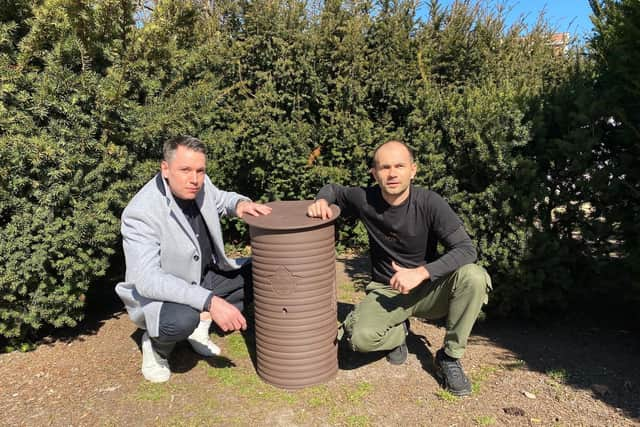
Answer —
471 128
615 173
287 96
582 249
62 174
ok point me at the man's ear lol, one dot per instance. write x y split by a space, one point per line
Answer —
414 169
164 167
372 171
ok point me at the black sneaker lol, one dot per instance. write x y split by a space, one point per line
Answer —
450 374
399 355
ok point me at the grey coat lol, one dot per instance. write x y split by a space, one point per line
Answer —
162 253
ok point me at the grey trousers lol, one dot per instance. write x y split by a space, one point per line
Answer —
177 321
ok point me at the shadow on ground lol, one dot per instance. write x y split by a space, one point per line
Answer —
580 353
183 358
603 361
359 271
102 304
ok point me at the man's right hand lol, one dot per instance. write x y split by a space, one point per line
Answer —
226 316
319 209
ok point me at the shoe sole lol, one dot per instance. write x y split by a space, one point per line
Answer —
396 363
157 380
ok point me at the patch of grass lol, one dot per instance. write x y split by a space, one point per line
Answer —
557 378
348 292
236 346
481 375
248 385
318 396
151 392
227 376
484 420
351 420
357 421
200 420
210 404
558 375
339 413
446 396
360 392
316 402
484 372
271 393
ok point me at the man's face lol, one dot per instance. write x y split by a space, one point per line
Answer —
393 171
185 172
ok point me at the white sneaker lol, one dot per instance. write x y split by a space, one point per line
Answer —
201 342
154 368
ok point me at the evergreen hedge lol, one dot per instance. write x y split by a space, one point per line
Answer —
512 131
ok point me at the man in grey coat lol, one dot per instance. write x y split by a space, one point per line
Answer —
178 278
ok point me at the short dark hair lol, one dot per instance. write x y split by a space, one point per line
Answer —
375 152
190 142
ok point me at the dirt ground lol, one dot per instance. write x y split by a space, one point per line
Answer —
551 375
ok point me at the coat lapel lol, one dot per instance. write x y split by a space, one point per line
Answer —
211 217
175 211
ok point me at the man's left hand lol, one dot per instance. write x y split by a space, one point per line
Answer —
406 279
251 208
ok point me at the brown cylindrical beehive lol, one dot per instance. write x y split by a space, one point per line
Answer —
295 295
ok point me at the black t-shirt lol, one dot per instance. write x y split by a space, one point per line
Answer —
408 233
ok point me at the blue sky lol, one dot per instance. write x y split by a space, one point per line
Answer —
565 15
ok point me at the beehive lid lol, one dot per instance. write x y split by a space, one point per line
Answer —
289 215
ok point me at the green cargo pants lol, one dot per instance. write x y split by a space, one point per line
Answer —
376 322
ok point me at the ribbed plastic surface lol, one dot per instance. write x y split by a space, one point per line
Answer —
295 296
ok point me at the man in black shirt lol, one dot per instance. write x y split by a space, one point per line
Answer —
405 225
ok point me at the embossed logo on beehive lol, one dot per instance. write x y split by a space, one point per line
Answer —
282 281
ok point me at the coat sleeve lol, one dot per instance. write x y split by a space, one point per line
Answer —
226 201
141 244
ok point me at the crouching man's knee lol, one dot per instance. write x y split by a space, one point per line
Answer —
363 339
361 336
474 281
177 322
